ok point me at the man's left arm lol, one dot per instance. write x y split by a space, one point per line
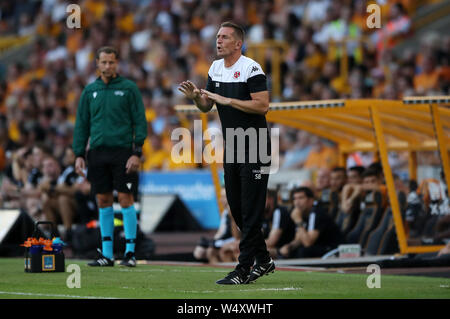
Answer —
138 120
259 104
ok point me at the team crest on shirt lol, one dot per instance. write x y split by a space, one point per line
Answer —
94 94
237 74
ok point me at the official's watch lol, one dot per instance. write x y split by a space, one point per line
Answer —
137 150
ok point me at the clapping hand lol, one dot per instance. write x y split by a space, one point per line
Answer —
189 90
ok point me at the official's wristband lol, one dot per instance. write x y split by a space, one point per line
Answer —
137 151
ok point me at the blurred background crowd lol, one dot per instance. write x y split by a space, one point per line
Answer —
162 43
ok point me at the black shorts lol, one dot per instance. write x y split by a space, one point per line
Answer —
106 171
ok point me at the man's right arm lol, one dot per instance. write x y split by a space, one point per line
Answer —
202 101
82 126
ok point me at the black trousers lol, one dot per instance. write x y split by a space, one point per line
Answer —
246 189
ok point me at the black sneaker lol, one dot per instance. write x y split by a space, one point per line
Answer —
129 260
101 261
236 277
261 270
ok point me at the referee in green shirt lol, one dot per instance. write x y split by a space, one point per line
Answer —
111 117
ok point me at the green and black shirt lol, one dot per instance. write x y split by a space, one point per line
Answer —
112 115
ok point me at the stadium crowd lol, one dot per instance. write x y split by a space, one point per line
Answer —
162 43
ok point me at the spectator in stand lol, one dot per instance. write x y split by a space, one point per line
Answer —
36 159
321 155
155 156
86 204
68 185
68 175
352 191
350 199
315 11
354 174
278 227
322 180
397 27
428 78
339 28
298 150
372 179
316 232
229 252
210 249
58 202
31 195
322 188
415 214
377 168
46 187
373 183
338 179
14 179
6 144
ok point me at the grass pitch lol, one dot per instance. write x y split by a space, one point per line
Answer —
198 282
